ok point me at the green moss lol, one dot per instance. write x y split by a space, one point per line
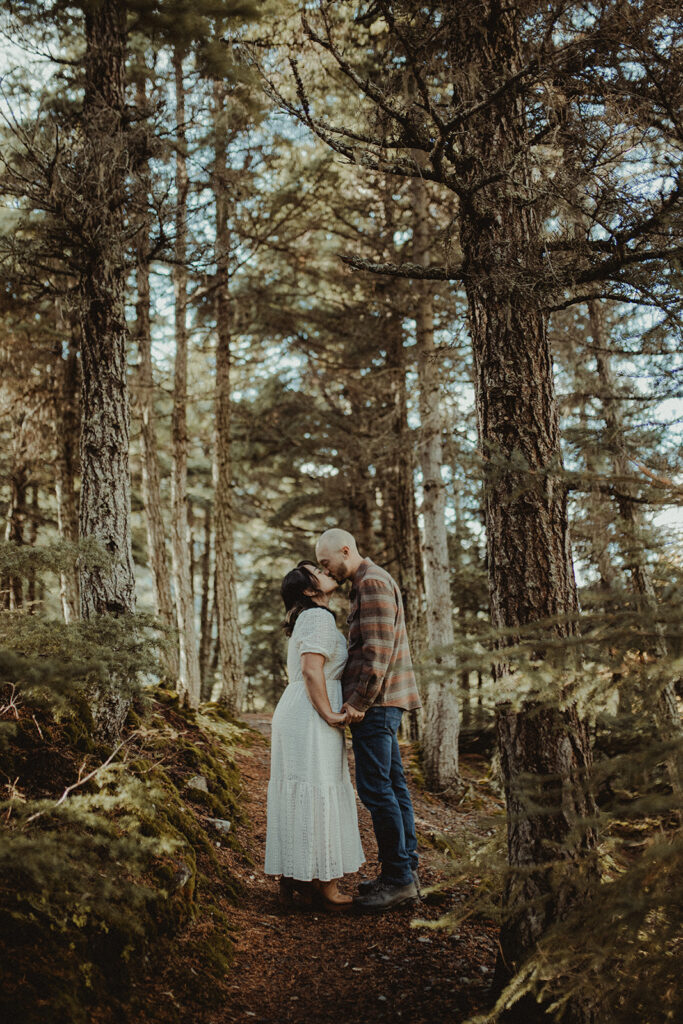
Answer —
83 947
77 725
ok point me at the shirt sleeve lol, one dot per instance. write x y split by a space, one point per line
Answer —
377 610
317 633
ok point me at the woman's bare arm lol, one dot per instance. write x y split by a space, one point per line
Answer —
314 678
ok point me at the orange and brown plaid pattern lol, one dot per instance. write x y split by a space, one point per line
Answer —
379 669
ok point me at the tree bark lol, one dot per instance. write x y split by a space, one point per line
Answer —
232 673
397 484
544 749
31 537
189 682
361 514
14 528
151 485
106 587
207 610
66 433
441 717
105 426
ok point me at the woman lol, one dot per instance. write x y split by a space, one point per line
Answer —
312 836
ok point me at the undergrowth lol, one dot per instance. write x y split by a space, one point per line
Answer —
97 886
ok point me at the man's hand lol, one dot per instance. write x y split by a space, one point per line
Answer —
353 714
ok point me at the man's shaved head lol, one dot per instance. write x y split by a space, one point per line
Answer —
336 539
337 552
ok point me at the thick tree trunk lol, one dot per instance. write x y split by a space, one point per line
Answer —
441 717
66 434
232 673
105 426
109 587
151 486
544 749
189 682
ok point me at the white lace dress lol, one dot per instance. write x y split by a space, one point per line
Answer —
312 819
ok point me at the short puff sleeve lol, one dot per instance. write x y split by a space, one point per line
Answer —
316 632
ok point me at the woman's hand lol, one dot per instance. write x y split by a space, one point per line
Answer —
314 678
336 719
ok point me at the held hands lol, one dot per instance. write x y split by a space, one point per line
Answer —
347 715
337 719
352 714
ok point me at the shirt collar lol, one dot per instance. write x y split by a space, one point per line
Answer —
361 571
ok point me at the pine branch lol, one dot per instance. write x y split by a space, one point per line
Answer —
413 270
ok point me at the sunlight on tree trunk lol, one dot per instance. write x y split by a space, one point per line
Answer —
151 487
232 674
189 682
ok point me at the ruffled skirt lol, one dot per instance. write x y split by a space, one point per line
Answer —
312 829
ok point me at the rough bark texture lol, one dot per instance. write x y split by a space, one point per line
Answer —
189 683
441 716
151 485
232 673
106 587
66 435
545 756
105 426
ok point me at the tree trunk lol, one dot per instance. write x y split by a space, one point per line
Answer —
441 718
544 749
361 514
66 434
232 674
207 610
189 683
601 513
151 486
398 486
105 426
105 587
31 537
632 532
14 528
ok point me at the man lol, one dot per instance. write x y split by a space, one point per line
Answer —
378 685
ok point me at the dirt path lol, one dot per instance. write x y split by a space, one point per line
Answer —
303 965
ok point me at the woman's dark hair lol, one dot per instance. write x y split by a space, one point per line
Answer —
296 601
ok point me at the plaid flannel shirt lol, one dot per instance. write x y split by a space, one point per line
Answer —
378 669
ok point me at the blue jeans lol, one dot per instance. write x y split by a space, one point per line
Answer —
381 785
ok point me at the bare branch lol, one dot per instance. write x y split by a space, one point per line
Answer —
82 779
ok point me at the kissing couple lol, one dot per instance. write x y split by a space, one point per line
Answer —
312 833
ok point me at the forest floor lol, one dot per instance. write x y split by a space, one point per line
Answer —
304 965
